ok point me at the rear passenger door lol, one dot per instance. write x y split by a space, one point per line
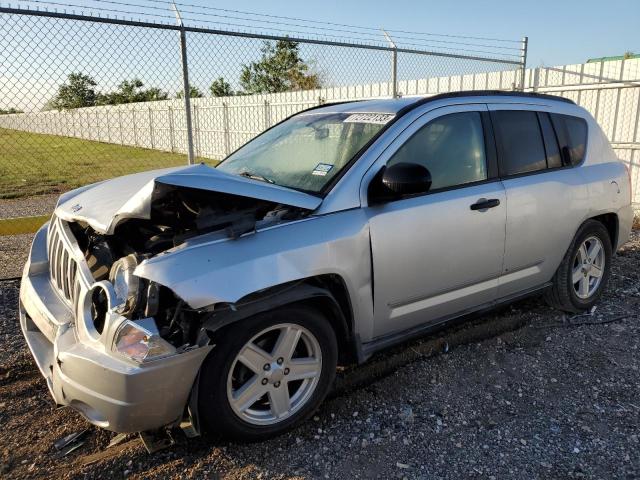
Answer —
545 196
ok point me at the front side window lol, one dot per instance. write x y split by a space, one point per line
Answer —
306 151
519 141
451 147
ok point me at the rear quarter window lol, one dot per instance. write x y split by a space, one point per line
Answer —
572 137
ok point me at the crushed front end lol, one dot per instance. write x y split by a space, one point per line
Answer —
118 347
111 366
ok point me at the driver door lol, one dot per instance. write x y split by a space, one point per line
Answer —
439 254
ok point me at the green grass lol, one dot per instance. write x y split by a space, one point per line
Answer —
17 226
32 163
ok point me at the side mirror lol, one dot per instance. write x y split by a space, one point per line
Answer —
406 179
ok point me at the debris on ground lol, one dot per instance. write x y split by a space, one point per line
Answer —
70 443
156 440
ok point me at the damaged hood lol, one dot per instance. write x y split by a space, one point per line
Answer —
105 204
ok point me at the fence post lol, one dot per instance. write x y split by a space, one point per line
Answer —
523 58
121 133
601 71
637 122
187 96
615 115
150 127
108 112
267 115
394 65
225 128
185 84
536 79
171 134
196 130
135 129
394 72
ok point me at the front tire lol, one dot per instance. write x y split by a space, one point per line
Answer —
584 272
267 374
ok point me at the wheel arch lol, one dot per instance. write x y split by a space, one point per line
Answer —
611 223
325 293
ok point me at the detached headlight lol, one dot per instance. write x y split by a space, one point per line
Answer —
140 344
125 284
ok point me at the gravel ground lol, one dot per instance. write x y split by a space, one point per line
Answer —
525 392
15 248
28 207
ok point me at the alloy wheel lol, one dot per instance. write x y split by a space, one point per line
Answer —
588 267
274 374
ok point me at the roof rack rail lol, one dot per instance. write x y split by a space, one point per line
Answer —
499 93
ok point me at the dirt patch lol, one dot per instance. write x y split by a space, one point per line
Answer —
526 392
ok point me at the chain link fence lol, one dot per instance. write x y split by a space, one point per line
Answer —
83 99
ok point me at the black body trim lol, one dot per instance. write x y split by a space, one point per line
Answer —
269 300
368 349
490 148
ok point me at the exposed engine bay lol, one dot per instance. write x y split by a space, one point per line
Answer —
177 215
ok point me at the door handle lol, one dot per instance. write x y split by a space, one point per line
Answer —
484 204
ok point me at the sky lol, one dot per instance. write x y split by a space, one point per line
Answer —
559 31
37 54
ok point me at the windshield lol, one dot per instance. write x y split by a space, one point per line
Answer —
306 151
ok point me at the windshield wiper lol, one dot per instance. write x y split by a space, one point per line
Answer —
255 176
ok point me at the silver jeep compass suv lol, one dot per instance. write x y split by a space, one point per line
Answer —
226 296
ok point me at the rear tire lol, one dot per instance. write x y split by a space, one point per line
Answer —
284 359
584 272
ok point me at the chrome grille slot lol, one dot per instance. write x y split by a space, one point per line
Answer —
62 265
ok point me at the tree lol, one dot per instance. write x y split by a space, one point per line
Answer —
131 91
194 92
280 69
9 110
78 91
220 88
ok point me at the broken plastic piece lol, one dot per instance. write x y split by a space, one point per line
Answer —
69 443
118 439
155 440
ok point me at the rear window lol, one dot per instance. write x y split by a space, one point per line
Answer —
519 141
572 137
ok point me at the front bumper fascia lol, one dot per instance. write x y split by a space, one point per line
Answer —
108 391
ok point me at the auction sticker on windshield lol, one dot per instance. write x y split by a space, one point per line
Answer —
322 169
377 118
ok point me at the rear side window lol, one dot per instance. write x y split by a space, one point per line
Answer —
554 160
572 137
519 141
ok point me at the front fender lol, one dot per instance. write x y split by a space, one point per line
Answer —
206 274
